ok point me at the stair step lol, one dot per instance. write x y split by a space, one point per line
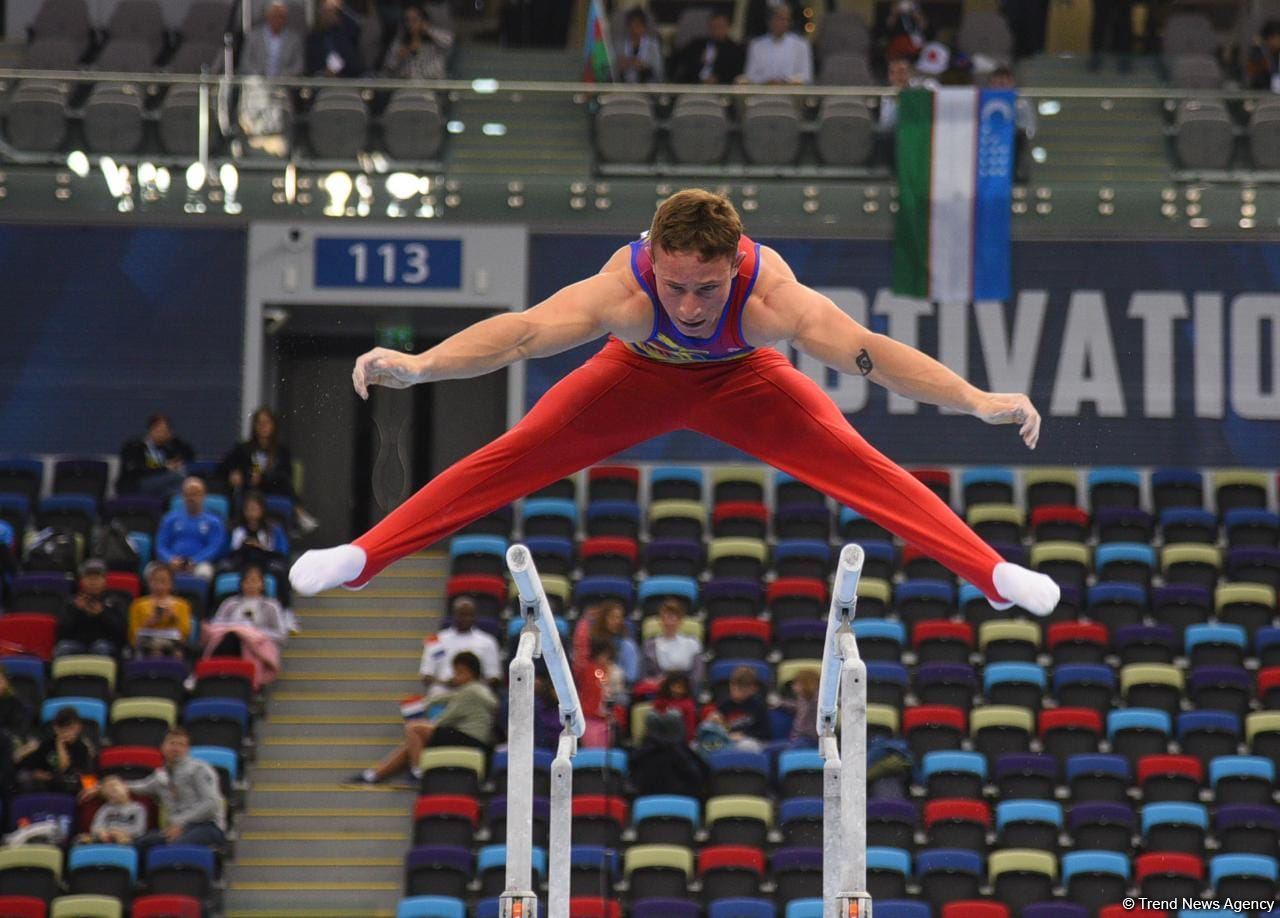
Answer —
319 796
382 731
292 655
373 621
373 871
382 845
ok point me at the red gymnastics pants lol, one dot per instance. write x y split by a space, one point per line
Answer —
758 403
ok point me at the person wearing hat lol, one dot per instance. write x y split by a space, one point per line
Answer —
94 620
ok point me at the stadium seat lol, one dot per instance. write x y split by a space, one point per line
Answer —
892 823
87 676
805 522
1029 824
184 870
86 906
1251 606
1083 685
45 593
431 907
452 770
996 522
1065 732
92 711
735 773
1243 876
933 728
1020 775
624 129
1020 877
675 483
808 558
1100 778
1245 829
496 820
599 820
1250 527
33 870
478 554
1137 731
737 558
1152 685
730 871
608 556
1161 875
944 641
948 874
40 807
166 907
1000 729
987 486
24 907
613 518
437 870
950 684
1077 642
153 678
1019 685
1147 644
102 870
888 870
1240 779
657 871
1189 526
677 519
487 591
795 598
1059 523
666 820
800 773
1256 564
1177 827
949 773
142 721
654 590
1101 826
1009 641
551 554
917 601
1237 489
957 823
443 819
854 527
1113 487
1221 689
663 907
1170 778
1191 564
1095 878
497 522
742 907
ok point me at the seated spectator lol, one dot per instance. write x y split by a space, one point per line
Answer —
715 59
120 821
740 721
250 625
258 541
191 539
333 47
468 719
900 77
159 623
442 648
263 463
420 50
779 56
16 721
273 49
907 30
803 708
154 463
638 51
608 621
889 769
671 651
675 698
56 763
663 763
594 673
190 798
1262 69
93 622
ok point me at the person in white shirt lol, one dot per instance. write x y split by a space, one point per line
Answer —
437 656
639 54
781 56
671 651
273 49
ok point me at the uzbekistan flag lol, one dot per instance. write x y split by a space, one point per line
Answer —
597 63
955 151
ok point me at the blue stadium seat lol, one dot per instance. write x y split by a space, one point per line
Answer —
1176 487
1223 688
948 874
1025 775
431 907
25 669
888 870
1095 878
1115 486
1013 674
1029 823
987 486
812 908
917 600
800 819
1242 779
549 552
1218 644
868 630
1255 875
1084 685
600 760
802 557
220 758
550 516
741 908
1124 562
594 589
1139 723
886 683
1091 775
800 773
1250 526
478 554
675 818
665 473
739 773
654 588
720 671
897 908
661 907
109 870
613 518
941 770
492 857
89 709
1173 814
181 869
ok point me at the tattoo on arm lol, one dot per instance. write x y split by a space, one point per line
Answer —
864 362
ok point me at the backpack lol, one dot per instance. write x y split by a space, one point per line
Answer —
53 550
115 549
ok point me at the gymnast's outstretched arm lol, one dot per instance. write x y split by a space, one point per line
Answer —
573 315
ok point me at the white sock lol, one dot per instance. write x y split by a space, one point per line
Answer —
323 569
370 776
1037 593
417 773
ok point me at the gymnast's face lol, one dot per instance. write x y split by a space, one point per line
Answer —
693 291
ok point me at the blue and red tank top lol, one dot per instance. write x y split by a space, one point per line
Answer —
666 343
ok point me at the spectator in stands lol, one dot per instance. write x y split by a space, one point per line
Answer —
57 762
1262 69
900 77
263 463
675 697
607 621
743 715
470 709
420 50
592 675
249 625
273 49
670 651
461 636
120 821
803 708
906 31
191 539
781 56
94 621
638 52
333 47
714 59
759 11
547 725
154 463
889 769
1112 31
257 540
159 623
189 795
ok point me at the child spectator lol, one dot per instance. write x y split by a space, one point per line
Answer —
250 625
675 698
93 622
159 623
189 540
263 463
461 636
120 821
743 716
593 675
804 709
672 651
58 761
607 621
256 540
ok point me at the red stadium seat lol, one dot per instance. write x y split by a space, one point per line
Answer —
975 908
28 634
594 907
165 907
23 907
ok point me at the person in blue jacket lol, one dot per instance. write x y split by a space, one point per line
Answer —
190 540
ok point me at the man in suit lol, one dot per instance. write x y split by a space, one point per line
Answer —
716 58
333 48
273 49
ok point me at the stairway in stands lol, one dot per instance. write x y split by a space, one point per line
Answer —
309 847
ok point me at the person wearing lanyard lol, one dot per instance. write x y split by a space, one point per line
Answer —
1263 68
713 59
